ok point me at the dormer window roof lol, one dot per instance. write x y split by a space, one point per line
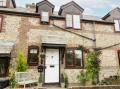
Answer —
44 2
8 3
72 3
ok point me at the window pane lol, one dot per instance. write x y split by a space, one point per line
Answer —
69 57
2 2
76 21
68 20
33 58
45 16
2 69
78 58
33 51
4 63
117 25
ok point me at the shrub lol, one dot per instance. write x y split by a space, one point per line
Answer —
12 80
22 62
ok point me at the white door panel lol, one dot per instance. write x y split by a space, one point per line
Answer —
52 66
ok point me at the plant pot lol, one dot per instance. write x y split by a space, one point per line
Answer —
88 83
39 84
62 85
82 83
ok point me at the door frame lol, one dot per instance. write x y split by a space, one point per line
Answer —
44 65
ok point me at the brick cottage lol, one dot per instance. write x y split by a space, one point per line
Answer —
39 29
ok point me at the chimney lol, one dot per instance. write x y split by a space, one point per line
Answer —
31 6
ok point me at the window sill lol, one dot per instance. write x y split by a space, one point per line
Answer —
74 68
117 31
33 64
73 28
45 23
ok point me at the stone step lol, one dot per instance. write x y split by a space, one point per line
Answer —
55 88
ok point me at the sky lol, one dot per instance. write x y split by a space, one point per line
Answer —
91 7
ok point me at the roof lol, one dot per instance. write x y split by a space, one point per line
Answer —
27 12
44 2
108 14
6 46
68 4
14 4
90 17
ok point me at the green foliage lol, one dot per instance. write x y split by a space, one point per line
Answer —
82 77
92 66
12 80
22 62
62 78
66 81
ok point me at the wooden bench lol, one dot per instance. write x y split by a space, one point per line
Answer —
25 78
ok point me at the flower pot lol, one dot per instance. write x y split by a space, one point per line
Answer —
62 85
82 83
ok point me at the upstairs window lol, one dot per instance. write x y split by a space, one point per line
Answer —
117 25
74 58
44 17
69 20
2 2
33 58
73 21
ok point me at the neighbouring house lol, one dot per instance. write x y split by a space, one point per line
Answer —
37 30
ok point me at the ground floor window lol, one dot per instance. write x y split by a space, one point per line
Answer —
4 64
33 58
74 58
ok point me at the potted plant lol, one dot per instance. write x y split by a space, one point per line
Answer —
62 80
82 78
66 83
40 80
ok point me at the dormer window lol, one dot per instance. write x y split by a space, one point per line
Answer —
73 21
44 17
69 20
3 3
117 25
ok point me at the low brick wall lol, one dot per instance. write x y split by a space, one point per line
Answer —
97 87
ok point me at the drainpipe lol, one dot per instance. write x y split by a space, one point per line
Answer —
94 36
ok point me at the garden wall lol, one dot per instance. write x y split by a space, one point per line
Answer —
97 87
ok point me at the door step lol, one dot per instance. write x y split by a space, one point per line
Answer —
55 88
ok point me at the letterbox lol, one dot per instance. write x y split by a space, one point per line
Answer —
40 68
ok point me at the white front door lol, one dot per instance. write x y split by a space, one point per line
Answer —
52 66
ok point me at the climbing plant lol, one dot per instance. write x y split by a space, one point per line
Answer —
93 66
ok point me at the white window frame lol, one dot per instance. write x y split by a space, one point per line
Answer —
76 21
69 20
73 22
117 25
3 2
43 17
